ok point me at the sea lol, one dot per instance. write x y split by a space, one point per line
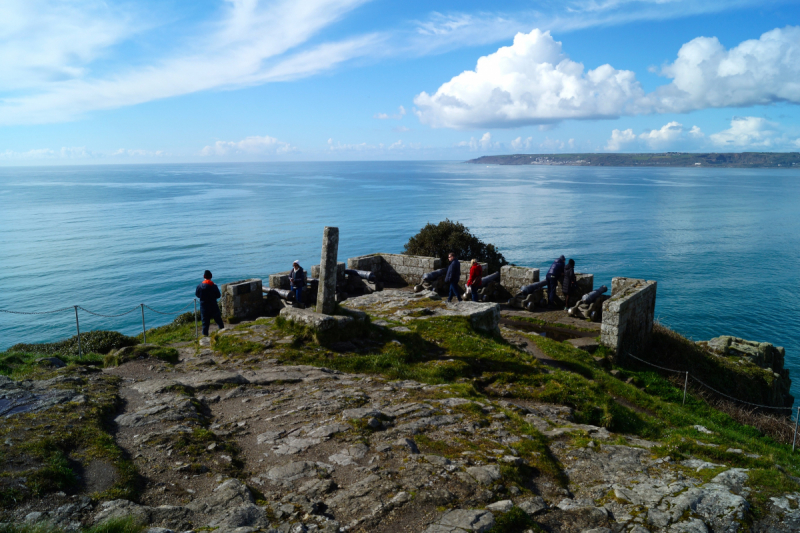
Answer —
723 244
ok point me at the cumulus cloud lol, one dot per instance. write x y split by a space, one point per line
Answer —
619 139
520 143
530 82
254 145
756 72
746 131
534 82
663 137
397 116
484 143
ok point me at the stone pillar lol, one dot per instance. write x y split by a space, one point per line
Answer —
326 294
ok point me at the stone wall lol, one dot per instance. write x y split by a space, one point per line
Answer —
465 272
279 280
395 268
241 299
340 268
513 278
585 286
628 316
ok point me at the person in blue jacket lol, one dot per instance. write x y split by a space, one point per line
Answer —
208 292
297 280
555 273
453 276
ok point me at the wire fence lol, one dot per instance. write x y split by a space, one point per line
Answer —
117 315
689 376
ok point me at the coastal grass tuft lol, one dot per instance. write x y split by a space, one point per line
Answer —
182 329
99 341
115 525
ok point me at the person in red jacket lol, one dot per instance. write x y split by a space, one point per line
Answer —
474 281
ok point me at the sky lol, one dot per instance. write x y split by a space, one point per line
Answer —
168 81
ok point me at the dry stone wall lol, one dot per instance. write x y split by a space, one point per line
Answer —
241 299
396 268
628 316
513 278
585 286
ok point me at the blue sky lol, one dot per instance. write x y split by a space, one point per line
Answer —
91 81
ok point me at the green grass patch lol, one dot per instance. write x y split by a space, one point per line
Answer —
116 525
99 341
540 322
182 329
514 521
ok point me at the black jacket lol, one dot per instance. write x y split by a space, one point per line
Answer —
297 278
556 269
453 272
207 293
570 282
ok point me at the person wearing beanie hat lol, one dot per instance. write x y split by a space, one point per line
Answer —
297 280
208 292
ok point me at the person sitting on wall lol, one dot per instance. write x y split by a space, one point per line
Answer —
569 285
453 276
297 280
555 273
208 292
475 277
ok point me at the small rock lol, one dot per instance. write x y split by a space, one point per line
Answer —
503 506
533 506
374 423
205 341
408 444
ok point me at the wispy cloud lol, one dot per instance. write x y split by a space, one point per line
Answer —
254 145
401 112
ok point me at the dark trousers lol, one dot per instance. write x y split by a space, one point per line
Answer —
552 285
474 292
454 290
209 314
298 295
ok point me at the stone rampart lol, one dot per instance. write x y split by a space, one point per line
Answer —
241 299
585 284
340 268
628 316
279 280
396 268
513 278
465 272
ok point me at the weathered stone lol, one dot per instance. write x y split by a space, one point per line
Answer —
242 299
462 520
326 294
231 493
628 316
503 506
533 505
349 455
485 475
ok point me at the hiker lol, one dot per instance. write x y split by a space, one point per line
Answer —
453 276
208 292
555 273
569 285
475 279
297 280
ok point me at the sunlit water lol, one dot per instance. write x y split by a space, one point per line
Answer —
723 244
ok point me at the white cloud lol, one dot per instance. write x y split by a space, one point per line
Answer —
254 145
661 138
401 129
484 143
66 152
756 72
397 116
744 132
235 52
530 82
519 143
339 147
696 133
619 139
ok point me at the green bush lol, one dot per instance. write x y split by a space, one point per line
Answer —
98 341
438 240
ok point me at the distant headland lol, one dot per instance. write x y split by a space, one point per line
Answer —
668 159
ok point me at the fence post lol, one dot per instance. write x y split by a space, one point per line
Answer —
685 386
78 327
796 419
144 332
196 334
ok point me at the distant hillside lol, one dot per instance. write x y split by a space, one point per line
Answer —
669 159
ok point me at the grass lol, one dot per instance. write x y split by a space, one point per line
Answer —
182 329
47 446
540 322
99 341
119 525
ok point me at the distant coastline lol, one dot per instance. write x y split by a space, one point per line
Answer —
668 159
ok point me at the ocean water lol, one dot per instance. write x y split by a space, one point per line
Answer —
723 244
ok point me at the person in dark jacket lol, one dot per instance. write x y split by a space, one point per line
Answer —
569 285
453 276
297 280
555 273
208 292
475 279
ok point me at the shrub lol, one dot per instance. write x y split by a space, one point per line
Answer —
437 240
98 341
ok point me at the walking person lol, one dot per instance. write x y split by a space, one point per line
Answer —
208 292
297 280
569 285
475 279
555 273
453 276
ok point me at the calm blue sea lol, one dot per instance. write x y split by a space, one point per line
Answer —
723 244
